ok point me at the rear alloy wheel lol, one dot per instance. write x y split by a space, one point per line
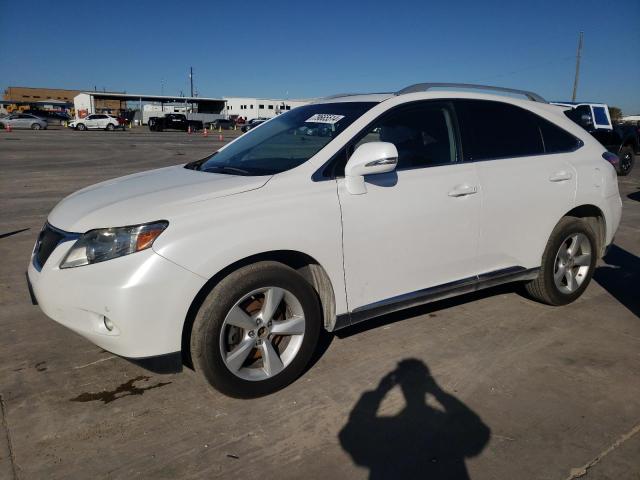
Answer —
256 331
572 263
567 264
35 126
626 161
110 127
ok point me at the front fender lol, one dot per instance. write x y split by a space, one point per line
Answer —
286 214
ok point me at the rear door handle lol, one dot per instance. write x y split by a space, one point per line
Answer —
560 176
462 190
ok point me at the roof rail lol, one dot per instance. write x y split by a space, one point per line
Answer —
339 95
423 87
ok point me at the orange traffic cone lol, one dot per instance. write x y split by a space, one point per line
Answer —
189 130
220 137
8 128
205 132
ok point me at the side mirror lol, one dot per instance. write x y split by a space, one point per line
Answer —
369 159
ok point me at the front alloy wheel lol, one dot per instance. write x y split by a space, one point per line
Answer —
256 330
262 333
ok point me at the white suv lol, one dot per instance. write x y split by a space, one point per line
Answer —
233 264
96 121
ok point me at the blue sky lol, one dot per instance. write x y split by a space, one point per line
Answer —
306 49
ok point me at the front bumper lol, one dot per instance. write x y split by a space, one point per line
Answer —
145 296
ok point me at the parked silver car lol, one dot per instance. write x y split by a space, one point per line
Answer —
23 120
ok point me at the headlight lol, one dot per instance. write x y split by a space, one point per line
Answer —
107 243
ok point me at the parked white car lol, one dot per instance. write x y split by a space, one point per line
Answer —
233 264
95 121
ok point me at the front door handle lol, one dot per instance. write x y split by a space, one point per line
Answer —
463 190
561 176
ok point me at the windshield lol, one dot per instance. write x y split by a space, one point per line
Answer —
285 141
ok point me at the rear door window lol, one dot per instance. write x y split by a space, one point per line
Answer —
492 130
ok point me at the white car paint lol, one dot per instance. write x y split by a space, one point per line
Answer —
440 230
406 233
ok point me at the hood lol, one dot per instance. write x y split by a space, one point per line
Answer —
145 197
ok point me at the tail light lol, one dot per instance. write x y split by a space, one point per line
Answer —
612 158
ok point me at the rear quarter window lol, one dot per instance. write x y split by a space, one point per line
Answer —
557 140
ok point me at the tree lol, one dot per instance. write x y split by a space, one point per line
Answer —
615 113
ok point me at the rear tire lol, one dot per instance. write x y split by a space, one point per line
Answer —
568 263
626 161
81 127
111 127
244 360
35 126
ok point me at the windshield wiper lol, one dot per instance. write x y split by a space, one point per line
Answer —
197 164
225 168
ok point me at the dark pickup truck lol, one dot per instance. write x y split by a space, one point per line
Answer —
173 121
623 140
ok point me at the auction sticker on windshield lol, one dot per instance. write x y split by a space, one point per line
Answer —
325 118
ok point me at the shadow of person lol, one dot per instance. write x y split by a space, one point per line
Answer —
419 442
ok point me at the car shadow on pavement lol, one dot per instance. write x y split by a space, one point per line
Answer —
421 441
634 196
621 277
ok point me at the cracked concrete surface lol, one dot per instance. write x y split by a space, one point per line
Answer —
557 387
584 470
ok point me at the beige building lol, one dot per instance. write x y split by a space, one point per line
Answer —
35 95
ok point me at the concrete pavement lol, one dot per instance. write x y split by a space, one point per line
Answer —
518 389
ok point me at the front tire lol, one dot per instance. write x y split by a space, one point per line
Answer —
111 127
256 330
81 127
626 161
568 263
35 126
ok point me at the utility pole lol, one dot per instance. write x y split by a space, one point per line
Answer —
575 81
191 80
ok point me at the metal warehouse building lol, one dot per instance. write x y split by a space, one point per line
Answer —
250 107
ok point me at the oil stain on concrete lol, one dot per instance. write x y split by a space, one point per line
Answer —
125 390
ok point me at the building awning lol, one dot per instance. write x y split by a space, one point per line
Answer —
152 98
53 101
